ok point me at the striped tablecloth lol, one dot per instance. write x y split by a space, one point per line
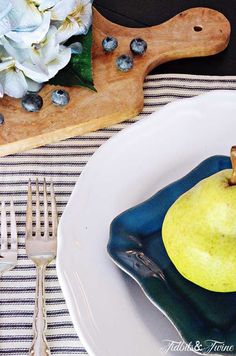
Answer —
63 162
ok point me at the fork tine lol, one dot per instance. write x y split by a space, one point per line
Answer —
38 223
3 227
29 212
45 203
13 228
54 212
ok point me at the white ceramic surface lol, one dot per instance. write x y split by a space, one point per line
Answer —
109 311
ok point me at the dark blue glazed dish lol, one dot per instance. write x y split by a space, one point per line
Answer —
136 246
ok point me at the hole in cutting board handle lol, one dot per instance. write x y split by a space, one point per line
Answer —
198 28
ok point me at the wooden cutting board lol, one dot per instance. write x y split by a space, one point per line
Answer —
193 33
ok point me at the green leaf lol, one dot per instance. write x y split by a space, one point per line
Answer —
79 70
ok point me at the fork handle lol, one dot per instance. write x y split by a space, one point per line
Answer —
40 346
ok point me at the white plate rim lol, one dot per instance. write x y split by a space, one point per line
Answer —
85 338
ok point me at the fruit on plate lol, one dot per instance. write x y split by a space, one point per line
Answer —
199 231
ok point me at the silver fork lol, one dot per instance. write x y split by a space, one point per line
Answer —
8 257
41 249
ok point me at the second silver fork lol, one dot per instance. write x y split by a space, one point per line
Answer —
41 249
8 255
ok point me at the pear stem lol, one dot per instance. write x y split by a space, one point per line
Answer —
233 161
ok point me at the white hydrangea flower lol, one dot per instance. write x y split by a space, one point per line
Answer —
12 80
31 37
46 4
18 15
77 22
48 56
74 17
7 19
37 35
22 70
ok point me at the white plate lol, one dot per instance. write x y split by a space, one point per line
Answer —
109 311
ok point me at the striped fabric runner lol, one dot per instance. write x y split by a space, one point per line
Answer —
63 162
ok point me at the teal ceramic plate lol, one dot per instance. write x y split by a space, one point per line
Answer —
206 320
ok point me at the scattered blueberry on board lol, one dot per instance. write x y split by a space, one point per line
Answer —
1 119
109 44
138 46
32 102
124 63
76 48
60 97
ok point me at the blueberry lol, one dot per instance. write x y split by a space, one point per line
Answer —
1 119
124 63
60 97
138 46
76 48
32 102
109 44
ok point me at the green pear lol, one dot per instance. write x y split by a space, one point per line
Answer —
199 232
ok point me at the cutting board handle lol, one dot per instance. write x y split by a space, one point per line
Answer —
195 32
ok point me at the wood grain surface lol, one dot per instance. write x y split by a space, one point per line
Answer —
119 95
142 13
